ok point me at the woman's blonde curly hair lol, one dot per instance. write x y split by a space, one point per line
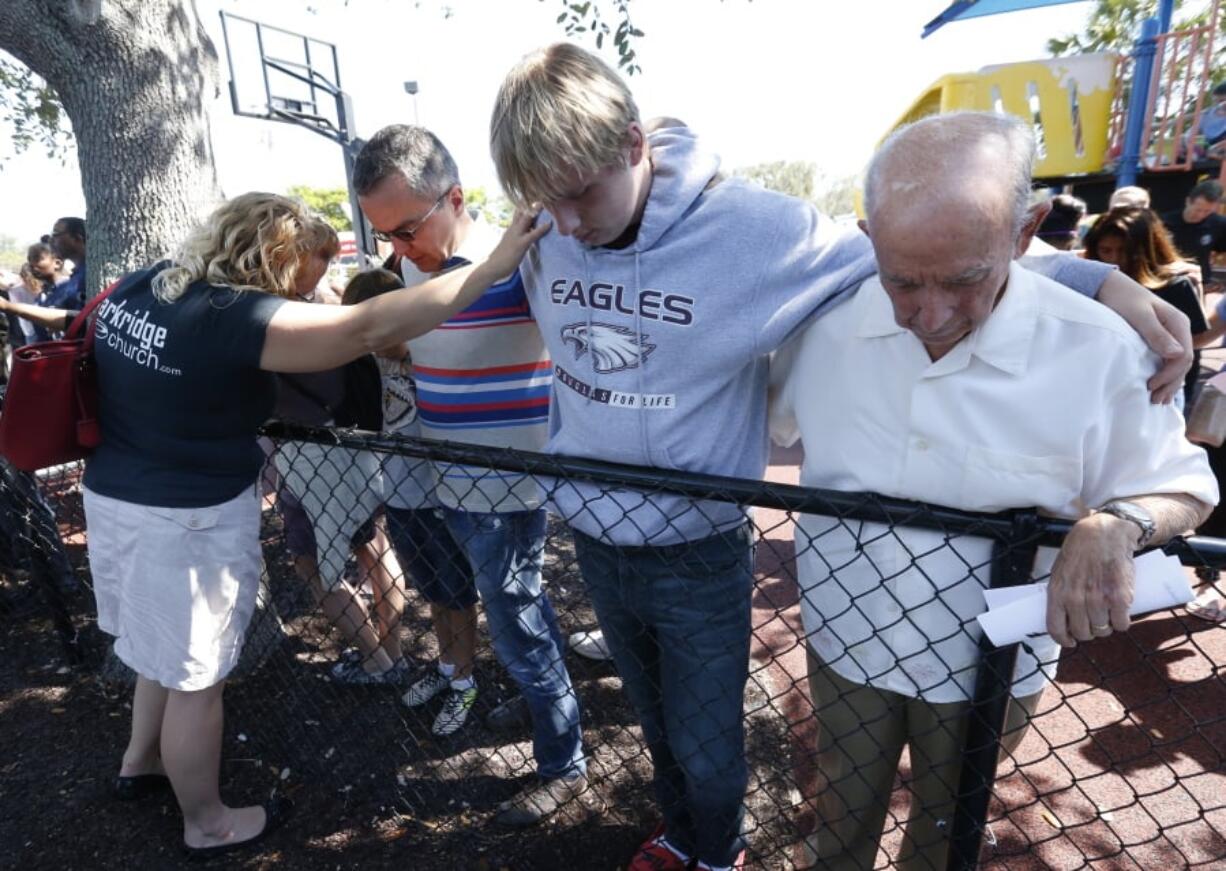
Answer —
256 241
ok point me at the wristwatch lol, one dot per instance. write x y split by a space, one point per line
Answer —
1134 512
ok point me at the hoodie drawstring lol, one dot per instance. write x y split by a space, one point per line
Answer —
638 346
587 278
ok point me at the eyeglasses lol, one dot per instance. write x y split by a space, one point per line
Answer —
409 234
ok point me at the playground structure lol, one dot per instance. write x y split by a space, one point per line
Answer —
1101 120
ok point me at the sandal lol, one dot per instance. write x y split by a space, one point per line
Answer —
139 786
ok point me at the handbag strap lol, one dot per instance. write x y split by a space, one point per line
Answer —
77 327
80 322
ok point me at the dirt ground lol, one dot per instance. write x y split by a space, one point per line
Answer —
371 786
1122 770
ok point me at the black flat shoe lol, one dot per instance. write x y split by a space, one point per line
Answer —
276 812
140 786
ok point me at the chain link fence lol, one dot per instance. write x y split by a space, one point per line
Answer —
1120 765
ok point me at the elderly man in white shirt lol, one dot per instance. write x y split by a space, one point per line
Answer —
956 377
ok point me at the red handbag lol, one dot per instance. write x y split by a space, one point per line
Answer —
51 406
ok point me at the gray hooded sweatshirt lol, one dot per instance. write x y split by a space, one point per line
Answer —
660 349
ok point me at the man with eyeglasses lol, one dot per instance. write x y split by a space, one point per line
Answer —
482 377
67 238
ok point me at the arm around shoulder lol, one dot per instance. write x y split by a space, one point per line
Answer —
1163 327
302 337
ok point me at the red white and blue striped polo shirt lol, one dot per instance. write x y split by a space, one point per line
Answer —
484 377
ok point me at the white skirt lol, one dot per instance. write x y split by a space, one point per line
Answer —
175 586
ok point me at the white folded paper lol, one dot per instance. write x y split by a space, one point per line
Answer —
1015 613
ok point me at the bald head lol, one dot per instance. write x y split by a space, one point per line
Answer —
979 163
947 203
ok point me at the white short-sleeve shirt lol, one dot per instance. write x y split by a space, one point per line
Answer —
1043 405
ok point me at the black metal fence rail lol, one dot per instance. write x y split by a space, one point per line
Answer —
1198 551
1106 776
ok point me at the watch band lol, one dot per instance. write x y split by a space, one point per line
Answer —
1136 514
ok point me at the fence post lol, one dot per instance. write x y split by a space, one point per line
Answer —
1012 565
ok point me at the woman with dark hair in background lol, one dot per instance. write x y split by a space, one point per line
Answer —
1136 241
185 355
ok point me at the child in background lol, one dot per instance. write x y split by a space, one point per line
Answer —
420 538
330 499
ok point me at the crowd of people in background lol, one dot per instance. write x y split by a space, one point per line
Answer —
462 336
1172 254
42 298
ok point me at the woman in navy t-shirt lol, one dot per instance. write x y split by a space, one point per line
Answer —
186 351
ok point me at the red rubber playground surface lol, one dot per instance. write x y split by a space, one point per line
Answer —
1122 769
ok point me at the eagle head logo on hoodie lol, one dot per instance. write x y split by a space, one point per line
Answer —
613 348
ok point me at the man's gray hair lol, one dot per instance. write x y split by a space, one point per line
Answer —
943 146
414 152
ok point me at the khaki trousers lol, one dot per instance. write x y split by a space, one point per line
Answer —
862 732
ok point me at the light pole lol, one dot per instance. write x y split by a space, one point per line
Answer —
410 88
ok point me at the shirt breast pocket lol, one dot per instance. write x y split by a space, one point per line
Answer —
995 480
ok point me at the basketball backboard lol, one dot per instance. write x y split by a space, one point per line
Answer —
280 75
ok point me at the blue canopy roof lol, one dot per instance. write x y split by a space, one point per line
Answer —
961 9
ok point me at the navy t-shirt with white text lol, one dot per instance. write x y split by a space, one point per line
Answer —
180 394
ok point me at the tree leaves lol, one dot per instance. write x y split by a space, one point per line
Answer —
31 110
802 179
1115 24
331 204
589 19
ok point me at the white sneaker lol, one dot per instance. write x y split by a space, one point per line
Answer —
425 689
454 712
590 645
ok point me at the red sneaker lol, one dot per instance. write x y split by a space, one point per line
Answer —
654 855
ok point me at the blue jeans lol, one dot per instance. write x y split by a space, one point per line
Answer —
507 552
676 619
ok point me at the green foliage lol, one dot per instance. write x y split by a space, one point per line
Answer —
588 19
31 111
496 211
330 203
836 196
591 19
802 179
792 177
1115 24
12 253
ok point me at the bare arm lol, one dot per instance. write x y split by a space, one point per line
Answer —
1163 327
1092 582
303 337
49 318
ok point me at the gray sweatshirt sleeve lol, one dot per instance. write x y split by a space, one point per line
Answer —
811 265
1076 273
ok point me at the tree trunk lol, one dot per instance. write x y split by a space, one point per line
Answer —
135 78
